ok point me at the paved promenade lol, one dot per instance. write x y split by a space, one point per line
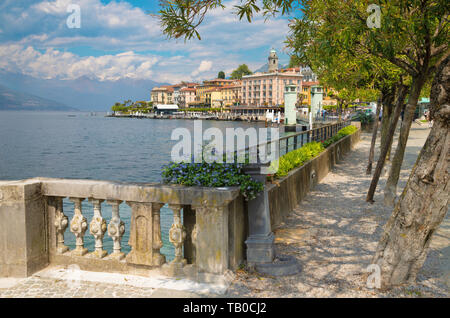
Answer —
333 234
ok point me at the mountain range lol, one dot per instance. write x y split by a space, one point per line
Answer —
12 100
24 92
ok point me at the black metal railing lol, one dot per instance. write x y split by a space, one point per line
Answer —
287 143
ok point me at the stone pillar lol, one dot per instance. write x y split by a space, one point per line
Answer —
145 234
177 236
78 227
97 228
260 242
23 229
116 229
157 257
211 238
290 114
61 223
316 100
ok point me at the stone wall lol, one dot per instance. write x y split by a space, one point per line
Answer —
289 191
33 225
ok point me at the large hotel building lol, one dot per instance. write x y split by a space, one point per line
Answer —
267 89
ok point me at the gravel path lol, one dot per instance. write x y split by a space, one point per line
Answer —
333 234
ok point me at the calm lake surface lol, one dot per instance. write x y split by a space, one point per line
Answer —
82 146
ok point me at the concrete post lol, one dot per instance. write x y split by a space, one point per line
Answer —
23 229
290 114
260 242
211 238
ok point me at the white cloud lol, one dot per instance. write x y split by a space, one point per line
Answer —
39 32
53 7
65 65
204 66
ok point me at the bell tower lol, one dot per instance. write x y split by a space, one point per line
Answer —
273 61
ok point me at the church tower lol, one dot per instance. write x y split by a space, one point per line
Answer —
273 61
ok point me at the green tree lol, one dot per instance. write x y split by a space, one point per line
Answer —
181 18
117 107
241 71
221 75
294 61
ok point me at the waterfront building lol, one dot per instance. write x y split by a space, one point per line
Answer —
267 89
162 95
308 74
187 96
208 91
226 95
174 94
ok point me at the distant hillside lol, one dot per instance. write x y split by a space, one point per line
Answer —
265 68
82 93
12 100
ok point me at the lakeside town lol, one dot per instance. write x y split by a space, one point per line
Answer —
245 95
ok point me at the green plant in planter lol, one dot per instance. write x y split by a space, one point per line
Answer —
297 158
341 134
212 175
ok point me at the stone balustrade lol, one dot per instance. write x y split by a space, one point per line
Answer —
34 227
208 232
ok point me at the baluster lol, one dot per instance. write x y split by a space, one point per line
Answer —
158 258
97 228
61 223
177 235
78 227
116 229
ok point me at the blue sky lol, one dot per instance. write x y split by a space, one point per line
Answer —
119 39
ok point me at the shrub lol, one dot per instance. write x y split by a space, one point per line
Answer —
365 118
341 134
211 175
298 157
347 130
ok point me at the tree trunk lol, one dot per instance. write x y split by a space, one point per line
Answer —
386 118
374 138
390 190
423 205
387 110
387 144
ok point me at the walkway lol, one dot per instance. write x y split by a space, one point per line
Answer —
333 234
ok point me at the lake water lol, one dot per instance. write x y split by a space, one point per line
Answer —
82 146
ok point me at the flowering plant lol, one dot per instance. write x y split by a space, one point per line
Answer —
212 175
